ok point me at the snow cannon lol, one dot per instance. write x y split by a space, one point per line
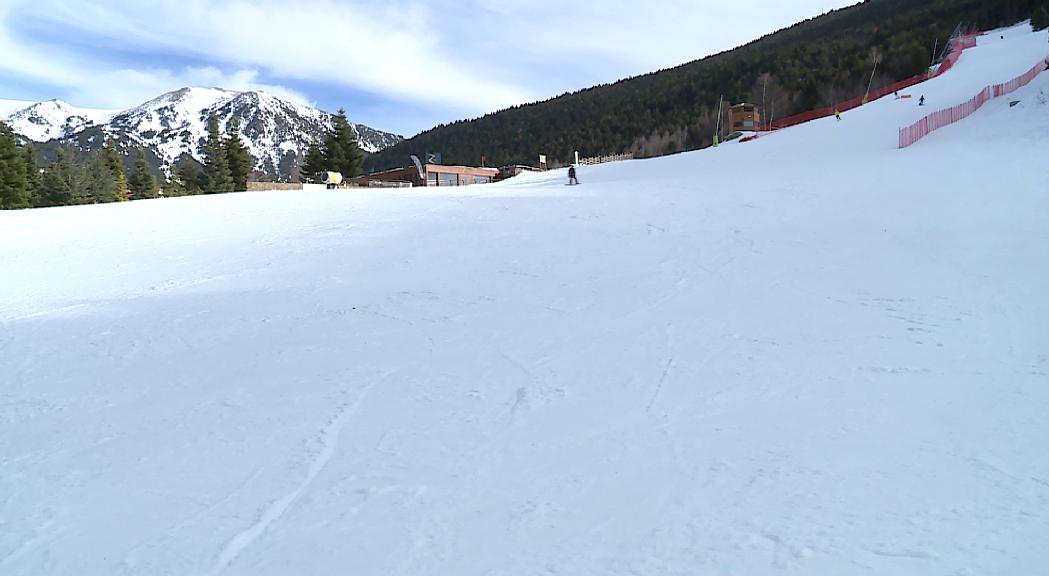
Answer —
331 180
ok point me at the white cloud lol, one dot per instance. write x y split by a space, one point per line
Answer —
613 39
90 83
392 50
468 56
123 87
19 59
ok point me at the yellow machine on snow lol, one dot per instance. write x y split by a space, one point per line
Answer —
331 180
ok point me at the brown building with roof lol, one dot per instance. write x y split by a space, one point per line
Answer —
744 118
432 175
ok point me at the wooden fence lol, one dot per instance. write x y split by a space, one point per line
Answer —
603 159
268 186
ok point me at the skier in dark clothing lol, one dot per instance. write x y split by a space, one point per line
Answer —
921 101
571 176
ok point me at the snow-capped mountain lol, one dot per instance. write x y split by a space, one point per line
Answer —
276 131
45 121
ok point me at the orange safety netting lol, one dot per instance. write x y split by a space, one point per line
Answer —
958 46
947 116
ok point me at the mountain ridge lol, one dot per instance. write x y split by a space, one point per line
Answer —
172 127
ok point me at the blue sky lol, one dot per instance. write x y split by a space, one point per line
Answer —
396 65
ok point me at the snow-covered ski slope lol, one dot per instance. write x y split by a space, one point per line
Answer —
808 354
876 126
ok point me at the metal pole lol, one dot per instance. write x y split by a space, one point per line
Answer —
717 126
763 85
871 83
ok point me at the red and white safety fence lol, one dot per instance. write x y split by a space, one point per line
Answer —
958 45
1020 81
946 117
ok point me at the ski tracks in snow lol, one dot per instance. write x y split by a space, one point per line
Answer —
659 385
329 442
667 367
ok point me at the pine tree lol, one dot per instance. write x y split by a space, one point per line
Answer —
142 185
116 167
237 155
1040 16
32 171
121 191
216 166
183 181
174 187
58 182
100 184
53 191
201 180
191 175
313 164
13 183
81 180
340 148
72 174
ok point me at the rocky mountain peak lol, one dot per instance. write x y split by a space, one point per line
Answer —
173 125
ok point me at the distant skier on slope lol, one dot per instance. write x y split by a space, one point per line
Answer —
921 101
571 176
837 114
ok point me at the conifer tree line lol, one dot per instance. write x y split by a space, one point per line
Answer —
102 177
337 152
14 182
1040 16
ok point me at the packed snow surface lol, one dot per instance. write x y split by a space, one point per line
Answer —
808 354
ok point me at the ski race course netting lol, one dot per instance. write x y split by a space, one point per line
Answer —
922 128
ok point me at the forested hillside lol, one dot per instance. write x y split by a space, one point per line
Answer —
813 63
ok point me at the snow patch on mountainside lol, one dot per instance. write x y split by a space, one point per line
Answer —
52 119
173 123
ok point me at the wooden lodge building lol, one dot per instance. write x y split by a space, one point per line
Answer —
744 118
432 175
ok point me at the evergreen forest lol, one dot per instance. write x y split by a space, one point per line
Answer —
815 63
